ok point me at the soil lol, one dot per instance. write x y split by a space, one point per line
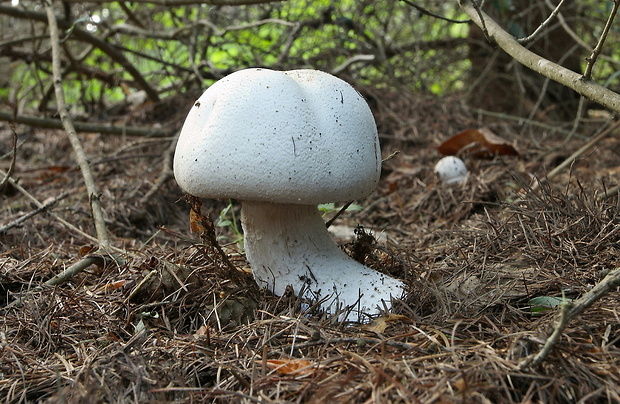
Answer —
175 315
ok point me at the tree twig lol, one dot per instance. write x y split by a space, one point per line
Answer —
571 310
587 74
81 265
571 159
542 26
40 205
431 14
83 126
35 212
539 64
91 187
13 158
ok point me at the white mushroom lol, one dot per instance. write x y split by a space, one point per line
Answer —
451 170
281 143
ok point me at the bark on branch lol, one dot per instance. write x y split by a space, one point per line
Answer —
562 75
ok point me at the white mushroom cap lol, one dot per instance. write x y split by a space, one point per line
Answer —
451 169
301 136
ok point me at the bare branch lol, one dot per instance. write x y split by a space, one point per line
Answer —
587 75
571 310
40 205
13 158
35 212
539 64
542 26
91 187
84 126
431 14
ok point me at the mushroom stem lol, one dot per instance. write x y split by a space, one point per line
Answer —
288 244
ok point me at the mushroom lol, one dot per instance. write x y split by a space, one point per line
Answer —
451 170
281 143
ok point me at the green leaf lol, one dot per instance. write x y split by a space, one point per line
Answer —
542 304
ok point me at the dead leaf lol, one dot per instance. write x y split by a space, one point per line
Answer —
196 222
379 324
203 331
481 143
405 172
85 250
115 285
297 367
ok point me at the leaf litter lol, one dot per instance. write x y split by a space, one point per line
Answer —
179 321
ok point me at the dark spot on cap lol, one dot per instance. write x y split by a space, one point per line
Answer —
197 104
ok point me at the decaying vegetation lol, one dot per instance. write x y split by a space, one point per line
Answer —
171 320
512 275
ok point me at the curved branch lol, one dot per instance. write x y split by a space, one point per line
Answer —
562 75
84 36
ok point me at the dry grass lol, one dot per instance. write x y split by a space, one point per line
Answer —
173 322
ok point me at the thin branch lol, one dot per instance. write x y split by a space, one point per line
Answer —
35 212
40 205
81 265
84 126
13 158
353 59
571 159
539 64
587 75
91 187
543 26
571 310
483 25
431 14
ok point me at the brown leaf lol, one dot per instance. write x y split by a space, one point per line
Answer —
379 324
402 173
481 143
196 222
85 250
299 367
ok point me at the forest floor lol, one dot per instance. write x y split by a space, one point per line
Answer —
487 263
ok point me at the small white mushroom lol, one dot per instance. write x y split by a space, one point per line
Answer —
451 170
281 143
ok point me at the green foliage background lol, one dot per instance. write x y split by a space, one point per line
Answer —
179 48
186 48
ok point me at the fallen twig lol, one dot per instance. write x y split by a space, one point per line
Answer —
39 205
569 311
35 212
83 126
70 272
571 159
